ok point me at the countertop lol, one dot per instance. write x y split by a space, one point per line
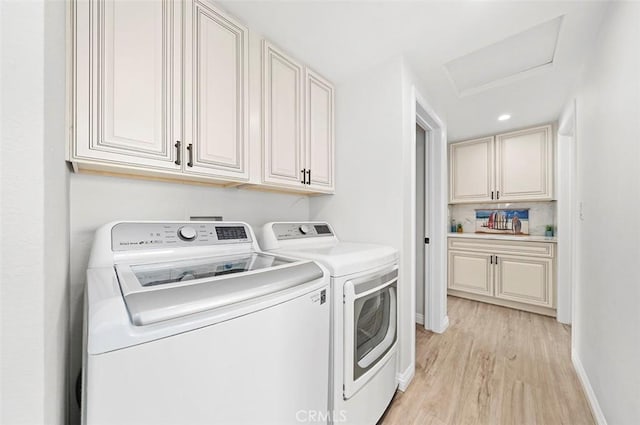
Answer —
551 239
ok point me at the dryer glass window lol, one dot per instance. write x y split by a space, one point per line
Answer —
372 323
180 271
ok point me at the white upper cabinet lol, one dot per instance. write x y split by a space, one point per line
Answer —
524 164
164 89
125 83
216 93
319 131
471 170
516 166
298 124
282 118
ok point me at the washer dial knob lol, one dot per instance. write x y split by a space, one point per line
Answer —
187 233
304 229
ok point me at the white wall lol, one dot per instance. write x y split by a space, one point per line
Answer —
607 316
33 223
368 202
374 160
56 216
96 200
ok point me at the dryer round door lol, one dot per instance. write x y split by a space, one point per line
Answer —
370 326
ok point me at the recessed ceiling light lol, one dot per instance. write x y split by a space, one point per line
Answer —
504 117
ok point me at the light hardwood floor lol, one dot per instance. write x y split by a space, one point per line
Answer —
494 365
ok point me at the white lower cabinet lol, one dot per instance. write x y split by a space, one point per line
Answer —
509 273
470 272
524 279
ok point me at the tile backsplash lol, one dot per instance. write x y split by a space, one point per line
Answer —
540 214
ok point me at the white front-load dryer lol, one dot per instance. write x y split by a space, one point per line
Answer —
364 329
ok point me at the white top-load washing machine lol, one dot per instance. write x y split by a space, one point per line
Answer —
364 281
190 323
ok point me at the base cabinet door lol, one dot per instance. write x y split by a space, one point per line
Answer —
524 165
216 98
471 272
126 83
525 279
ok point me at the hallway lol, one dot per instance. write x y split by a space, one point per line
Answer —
494 365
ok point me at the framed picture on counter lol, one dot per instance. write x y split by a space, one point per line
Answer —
503 221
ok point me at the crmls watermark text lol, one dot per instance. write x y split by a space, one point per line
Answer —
315 416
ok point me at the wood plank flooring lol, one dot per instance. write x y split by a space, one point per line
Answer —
494 365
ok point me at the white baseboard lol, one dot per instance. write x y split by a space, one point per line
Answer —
444 324
405 378
588 390
420 318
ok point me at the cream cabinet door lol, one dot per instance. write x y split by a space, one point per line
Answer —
525 279
319 132
282 118
471 272
126 83
524 168
471 171
216 98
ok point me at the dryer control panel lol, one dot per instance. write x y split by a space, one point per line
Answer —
136 236
284 231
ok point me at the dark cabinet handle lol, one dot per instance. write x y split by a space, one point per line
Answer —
304 175
190 149
309 176
492 195
178 160
496 259
498 194
491 259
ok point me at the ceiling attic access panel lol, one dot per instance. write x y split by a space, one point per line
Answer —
511 59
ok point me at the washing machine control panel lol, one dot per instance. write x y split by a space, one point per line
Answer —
284 231
137 236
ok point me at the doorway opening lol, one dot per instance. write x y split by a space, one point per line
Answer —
435 221
423 136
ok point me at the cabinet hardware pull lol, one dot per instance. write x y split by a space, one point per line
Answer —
190 149
498 194
492 195
304 174
178 160
491 259
309 176
496 259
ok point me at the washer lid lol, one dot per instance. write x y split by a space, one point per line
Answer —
344 258
163 291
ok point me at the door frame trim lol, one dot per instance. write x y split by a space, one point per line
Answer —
435 318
